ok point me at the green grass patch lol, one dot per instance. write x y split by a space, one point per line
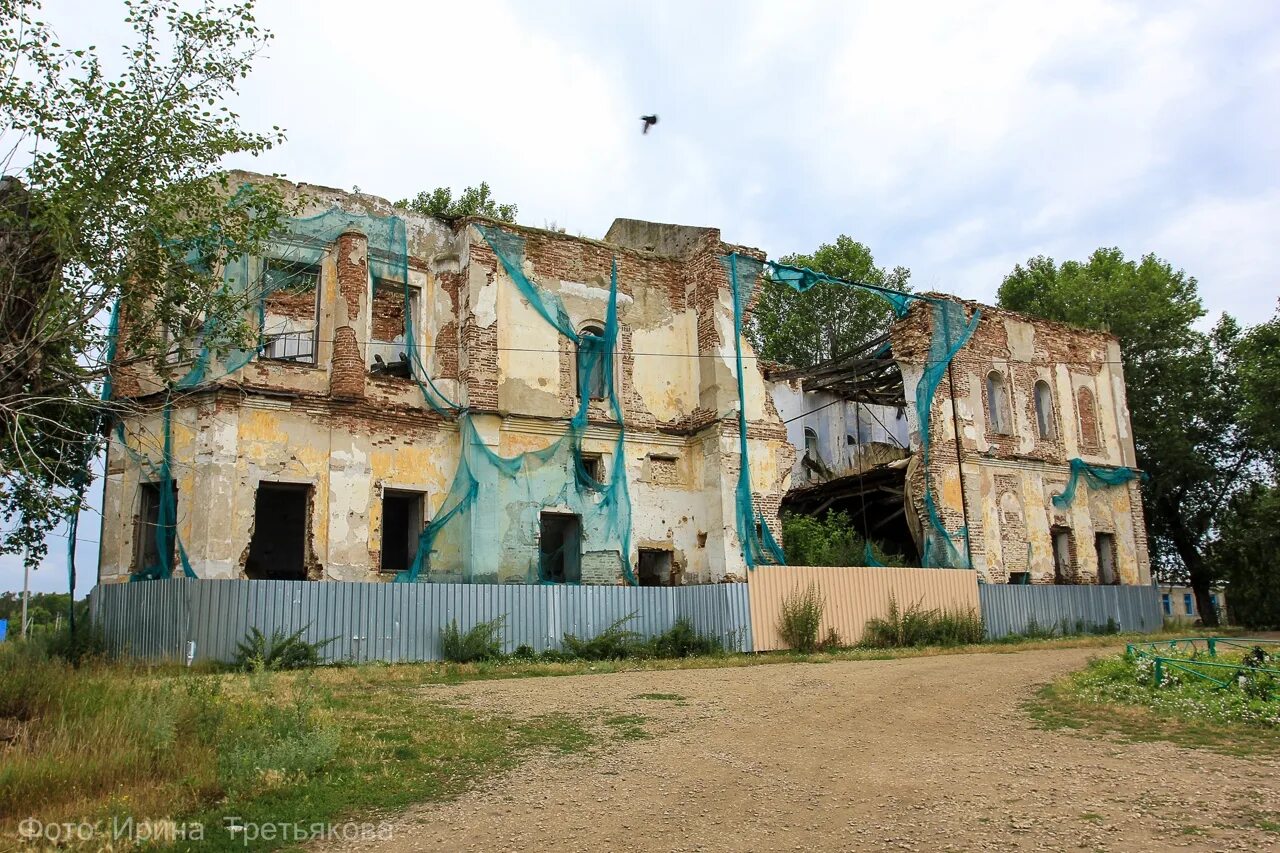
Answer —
660 697
1117 695
628 726
329 745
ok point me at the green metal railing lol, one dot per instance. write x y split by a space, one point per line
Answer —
1194 645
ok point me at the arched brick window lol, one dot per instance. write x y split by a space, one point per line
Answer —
1044 410
1087 411
591 363
998 412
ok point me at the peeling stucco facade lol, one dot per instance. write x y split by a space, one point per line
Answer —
1000 478
345 435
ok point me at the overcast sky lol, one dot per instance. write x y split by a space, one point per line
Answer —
955 138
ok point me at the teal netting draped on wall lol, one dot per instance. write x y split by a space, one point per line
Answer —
494 502
1097 476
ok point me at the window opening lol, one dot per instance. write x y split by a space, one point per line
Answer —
811 443
1105 545
402 519
591 363
290 305
388 351
560 548
998 403
150 538
1044 410
655 567
1061 555
277 550
593 464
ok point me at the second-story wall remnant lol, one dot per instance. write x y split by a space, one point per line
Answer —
478 401
471 401
1022 409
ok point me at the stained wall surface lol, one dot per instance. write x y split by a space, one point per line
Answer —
347 435
999 456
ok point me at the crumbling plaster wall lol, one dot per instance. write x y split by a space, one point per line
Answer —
675 325
486 349
1011 477
224 447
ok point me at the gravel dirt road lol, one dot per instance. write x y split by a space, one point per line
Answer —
921 754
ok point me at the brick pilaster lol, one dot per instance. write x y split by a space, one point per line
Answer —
348 370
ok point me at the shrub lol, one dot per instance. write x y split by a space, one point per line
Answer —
613 643
682 640
259 653
87 643
1065 628
801 618
918 627
829 541
480 643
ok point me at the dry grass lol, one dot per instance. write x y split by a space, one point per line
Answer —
110 741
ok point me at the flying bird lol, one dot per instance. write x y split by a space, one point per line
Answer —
649 121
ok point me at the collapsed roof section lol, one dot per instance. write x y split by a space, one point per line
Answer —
866 374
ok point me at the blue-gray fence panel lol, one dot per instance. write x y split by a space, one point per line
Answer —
1010 609
396 622
145 620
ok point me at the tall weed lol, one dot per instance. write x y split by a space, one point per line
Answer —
482 642
801 618
916 626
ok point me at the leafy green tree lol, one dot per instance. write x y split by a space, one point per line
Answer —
1183 390
474 201
1244 555
1259 357
802 329
113 195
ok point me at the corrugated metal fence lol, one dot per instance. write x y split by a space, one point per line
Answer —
854 595
1010 609
155 620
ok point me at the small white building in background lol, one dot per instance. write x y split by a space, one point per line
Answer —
1178 603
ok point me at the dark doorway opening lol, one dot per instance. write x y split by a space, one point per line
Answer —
401 527
1062 573
1105 545
655 567
150 538
278 548
560 548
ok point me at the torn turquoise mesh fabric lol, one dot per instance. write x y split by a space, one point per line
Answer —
869 556
758 545
291 265
495 502
951 329
1097 477
801 279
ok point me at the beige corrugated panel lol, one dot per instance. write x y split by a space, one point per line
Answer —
854 595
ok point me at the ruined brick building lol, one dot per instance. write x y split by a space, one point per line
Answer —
1040 413
328 453
484 402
